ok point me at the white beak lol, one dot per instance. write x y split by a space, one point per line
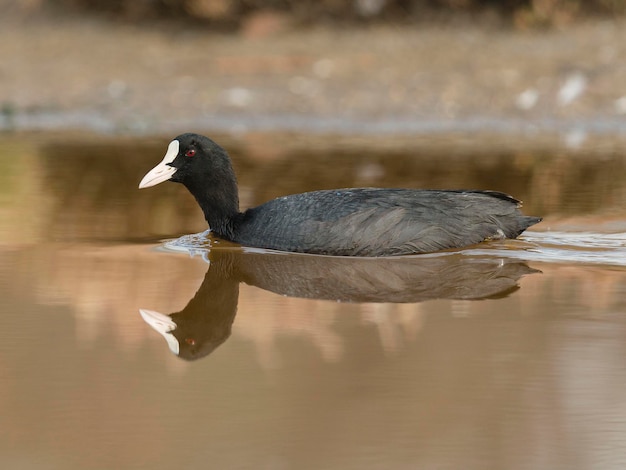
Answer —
164 325
162 172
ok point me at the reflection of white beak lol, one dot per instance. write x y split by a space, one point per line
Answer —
164 325
163 171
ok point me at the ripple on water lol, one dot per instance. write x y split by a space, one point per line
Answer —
562 247
197 244
553 247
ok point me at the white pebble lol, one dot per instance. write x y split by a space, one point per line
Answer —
527 99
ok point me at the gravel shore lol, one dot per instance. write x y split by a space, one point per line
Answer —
373 81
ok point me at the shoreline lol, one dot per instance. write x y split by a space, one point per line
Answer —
378 82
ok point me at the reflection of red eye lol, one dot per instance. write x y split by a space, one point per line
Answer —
190 341
190 153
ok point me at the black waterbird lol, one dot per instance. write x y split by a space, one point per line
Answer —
347 222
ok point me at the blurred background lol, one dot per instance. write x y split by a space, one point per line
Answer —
522 96
234 13
351 67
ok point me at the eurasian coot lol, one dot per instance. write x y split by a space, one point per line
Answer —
349 222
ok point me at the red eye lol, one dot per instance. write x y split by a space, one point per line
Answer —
190 341
190 153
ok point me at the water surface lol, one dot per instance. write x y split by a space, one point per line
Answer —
508 355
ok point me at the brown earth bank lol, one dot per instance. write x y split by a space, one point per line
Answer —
381 81
233 14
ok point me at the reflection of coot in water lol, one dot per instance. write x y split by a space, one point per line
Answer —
355 222
206 321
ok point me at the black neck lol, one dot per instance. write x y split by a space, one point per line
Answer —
220 206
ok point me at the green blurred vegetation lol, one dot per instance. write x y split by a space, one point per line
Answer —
232 13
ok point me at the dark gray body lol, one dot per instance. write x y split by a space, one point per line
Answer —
380 222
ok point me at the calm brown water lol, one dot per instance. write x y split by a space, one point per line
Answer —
505 356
